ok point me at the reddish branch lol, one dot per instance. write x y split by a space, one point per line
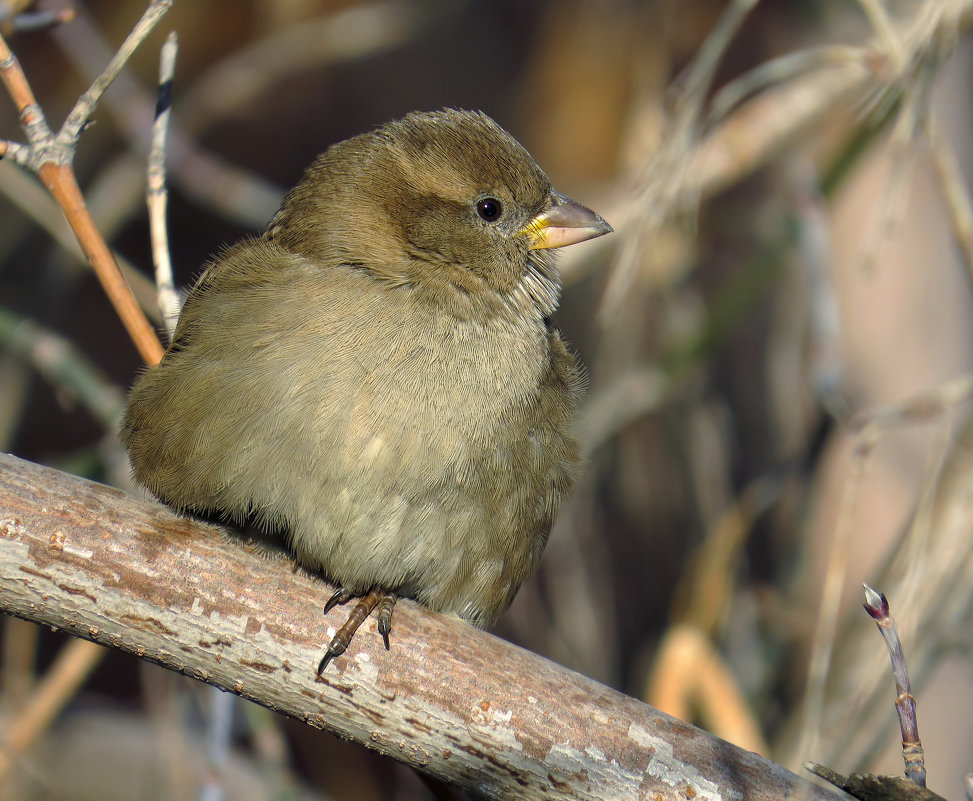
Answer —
50 156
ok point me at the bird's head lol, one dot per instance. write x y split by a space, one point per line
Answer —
447 203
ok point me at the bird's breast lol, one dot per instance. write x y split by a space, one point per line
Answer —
427 386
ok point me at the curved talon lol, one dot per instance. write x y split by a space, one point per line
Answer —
328 656
340 596
381 599
384 613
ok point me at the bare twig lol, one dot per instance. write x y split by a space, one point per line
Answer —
776 72
157 195
237 82
61 183
905 703
22 191
450 700
232 191
354 32
663 181
50 157
868 787
85 106
921 407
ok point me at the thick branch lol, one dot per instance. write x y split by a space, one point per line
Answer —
448 699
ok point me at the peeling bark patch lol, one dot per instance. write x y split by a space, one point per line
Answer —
484 756
417 754
263 667
11 527
148 624
557 784
376 717
77 591
664 767
35 573
197 673
419 725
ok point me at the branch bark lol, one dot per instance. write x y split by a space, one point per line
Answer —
447 699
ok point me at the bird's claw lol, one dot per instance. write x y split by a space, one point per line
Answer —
377 598
340 596
384 614
329 654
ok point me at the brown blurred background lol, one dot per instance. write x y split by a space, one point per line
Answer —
732 338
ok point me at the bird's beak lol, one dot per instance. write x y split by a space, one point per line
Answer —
563 223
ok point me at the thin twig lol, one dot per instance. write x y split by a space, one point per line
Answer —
85 106
157 194
61 183
26 194
752 136
905 703
774 73
885 32
921 407
228 189
699 75
31 116
51 156
11 8
691 678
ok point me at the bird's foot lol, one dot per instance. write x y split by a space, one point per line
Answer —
379 600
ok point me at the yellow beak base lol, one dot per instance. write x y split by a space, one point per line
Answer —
565 222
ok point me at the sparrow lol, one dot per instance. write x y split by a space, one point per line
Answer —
377 377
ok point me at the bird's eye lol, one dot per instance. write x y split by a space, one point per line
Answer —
489 209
